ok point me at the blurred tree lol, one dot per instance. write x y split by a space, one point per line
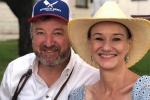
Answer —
22 10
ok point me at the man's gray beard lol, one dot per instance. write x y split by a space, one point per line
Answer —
62 58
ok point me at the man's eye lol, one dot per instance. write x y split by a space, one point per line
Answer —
58 33
39 33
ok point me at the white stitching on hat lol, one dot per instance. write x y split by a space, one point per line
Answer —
49 4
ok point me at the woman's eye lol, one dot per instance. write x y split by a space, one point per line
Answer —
98 38
116 39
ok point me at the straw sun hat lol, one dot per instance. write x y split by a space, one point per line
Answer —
140 29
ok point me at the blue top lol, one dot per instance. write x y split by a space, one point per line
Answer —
141 90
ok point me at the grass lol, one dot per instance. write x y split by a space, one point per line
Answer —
9 51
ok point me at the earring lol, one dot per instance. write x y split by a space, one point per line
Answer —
126 58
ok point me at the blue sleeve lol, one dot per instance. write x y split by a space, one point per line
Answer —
77 94
141 90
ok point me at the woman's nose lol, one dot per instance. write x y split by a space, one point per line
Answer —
106 46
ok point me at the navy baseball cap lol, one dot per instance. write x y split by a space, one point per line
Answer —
55 8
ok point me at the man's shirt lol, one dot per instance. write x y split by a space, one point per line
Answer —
36 88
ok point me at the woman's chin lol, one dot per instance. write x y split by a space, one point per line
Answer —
108 65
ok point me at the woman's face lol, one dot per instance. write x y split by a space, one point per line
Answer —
109 44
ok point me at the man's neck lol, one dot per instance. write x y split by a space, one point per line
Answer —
50 74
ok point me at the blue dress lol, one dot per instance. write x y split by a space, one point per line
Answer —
141 90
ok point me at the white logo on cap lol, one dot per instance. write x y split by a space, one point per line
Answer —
49 4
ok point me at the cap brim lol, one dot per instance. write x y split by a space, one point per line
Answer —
35 18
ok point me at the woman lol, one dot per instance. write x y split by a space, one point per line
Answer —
113 42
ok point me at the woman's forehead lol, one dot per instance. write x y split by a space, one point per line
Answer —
111 27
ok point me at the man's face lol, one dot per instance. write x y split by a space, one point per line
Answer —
50 41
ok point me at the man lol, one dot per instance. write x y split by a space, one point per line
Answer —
53 70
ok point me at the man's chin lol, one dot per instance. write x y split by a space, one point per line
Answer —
53 62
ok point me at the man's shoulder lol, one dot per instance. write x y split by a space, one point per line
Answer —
16 69
22 63
25 59
84 65
83 73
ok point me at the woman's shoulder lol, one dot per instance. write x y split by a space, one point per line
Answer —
141 89
77 94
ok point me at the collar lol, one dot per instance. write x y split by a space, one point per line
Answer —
71 63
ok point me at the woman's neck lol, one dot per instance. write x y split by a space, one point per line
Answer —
119 80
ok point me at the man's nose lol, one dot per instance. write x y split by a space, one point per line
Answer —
49 40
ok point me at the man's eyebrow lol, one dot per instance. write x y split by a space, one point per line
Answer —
59 29
38 28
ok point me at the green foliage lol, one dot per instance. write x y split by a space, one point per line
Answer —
8 52
143 66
